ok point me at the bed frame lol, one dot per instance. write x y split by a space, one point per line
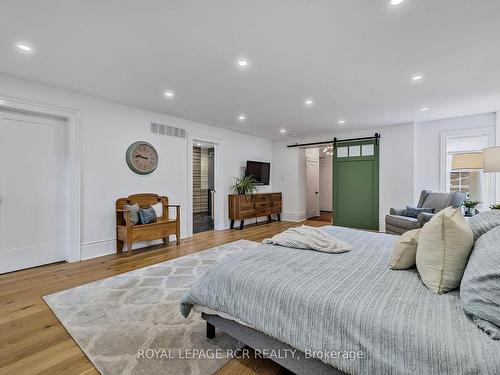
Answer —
257 340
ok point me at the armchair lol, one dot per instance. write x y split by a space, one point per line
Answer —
397 223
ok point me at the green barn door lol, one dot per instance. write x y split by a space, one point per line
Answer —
355 185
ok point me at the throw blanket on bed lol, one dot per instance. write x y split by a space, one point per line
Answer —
314 301
306 237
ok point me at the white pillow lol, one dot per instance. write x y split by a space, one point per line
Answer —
158 207
443 250
405 250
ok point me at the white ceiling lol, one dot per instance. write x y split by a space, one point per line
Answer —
353 57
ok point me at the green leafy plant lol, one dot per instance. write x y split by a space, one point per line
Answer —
470 203
495 206
244 185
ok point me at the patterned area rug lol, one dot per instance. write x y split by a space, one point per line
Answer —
130 323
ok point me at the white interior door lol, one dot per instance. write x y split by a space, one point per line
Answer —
32 191
312 186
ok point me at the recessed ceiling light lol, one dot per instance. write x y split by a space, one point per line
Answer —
424 108
198 144
308 102
282 131
169 94
341 122
24 47
242 63
417 77
397 2
242 117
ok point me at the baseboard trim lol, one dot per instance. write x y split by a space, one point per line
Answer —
293 216
101 248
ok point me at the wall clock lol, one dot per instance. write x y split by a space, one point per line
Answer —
142 157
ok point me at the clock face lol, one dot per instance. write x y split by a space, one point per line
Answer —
142 157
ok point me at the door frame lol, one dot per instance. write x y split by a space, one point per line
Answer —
72 209
375 225
219 203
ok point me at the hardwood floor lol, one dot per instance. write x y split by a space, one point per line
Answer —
32 341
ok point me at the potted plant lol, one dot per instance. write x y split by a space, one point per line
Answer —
244 185
470 207
495 206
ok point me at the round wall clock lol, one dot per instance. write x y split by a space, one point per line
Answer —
142 157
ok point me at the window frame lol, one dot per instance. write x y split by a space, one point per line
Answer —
489 180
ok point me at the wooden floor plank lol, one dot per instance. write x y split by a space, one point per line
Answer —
33 341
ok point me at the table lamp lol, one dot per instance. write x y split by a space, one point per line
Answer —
471 162
491 159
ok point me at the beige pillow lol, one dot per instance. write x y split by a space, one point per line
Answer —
405 250
444 246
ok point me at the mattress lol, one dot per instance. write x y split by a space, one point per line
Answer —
325 303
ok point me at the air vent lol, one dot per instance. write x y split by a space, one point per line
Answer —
171 131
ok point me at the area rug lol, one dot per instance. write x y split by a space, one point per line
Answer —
131 324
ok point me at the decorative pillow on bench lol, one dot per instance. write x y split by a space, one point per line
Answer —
134 213
147 215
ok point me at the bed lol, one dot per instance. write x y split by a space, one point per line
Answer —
351 302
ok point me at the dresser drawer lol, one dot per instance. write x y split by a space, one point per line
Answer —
275 197
261 205
262 197
247 214
263 212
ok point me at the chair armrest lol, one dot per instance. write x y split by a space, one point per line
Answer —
173 205
424 217
397 211
122 210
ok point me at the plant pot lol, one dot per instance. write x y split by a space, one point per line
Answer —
470 211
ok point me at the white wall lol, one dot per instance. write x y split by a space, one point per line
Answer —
289 167
396 168
107 130
497 118
325 183
428 146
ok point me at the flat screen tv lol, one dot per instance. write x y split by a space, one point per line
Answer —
259 171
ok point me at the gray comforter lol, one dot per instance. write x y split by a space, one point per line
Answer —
315 301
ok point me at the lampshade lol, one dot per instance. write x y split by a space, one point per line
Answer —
491 159
471 160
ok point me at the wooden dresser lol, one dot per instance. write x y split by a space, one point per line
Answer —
242 207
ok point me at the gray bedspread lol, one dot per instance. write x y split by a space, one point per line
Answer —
315 301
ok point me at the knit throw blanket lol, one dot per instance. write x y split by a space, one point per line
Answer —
309 238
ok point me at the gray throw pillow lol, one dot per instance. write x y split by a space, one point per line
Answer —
483 222
147 215
414 211
480 287
134 213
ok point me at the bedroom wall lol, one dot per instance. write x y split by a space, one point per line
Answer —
108 129
428 146
396 168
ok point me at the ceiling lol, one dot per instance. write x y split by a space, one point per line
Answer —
354 58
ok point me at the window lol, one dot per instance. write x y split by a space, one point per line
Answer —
474 183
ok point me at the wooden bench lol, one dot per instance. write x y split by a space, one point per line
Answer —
161 229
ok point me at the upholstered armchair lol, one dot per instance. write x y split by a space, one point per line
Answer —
397 223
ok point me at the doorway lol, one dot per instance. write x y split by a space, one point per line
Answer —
319 184
203 186
33 165
356 184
